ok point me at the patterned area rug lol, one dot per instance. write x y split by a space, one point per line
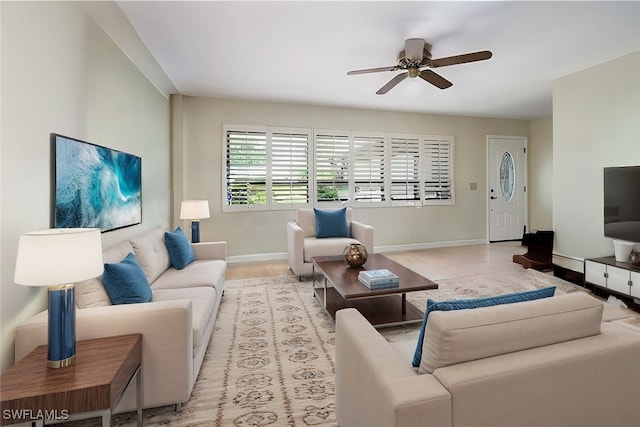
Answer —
270 361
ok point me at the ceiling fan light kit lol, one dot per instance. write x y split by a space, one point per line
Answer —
416 60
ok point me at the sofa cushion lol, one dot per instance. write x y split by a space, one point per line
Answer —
180 250
125 281
325 247
464 304
91 293
203 301
152 253
454 337
331 223
198 273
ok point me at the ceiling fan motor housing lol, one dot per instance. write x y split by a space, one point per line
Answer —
407 63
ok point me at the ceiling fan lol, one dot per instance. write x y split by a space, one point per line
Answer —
416 60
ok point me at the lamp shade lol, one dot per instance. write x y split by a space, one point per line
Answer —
58 256
194 209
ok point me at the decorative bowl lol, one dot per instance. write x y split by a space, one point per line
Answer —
355 254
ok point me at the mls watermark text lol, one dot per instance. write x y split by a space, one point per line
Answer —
31 414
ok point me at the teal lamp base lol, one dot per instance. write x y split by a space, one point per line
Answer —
62 326
195 231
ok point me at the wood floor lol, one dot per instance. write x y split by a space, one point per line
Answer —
437 263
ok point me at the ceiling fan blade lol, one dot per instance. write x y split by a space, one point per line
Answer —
392 83
372 70
461 59
414 49
435 79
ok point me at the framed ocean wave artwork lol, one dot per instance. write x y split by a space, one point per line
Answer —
95 186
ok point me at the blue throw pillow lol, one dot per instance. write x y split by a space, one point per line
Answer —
475 303
331 223
179 247
125 282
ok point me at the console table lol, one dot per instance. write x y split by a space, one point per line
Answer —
608 276
92 387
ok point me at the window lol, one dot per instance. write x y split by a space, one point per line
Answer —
246 171
290 169
266 168
438 170
369 166
269 168
332 153
405 170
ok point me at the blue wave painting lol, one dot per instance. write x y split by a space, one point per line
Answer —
96 187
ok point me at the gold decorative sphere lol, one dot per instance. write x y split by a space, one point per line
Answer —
355 254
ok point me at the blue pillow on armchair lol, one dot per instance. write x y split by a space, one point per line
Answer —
331 223
125 282
475 303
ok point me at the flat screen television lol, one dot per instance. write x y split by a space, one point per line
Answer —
94 186
622 203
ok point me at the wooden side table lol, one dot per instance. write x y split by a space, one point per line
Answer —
92 387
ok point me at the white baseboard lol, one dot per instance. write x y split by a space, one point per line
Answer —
256 257
569 262
388 248
415 246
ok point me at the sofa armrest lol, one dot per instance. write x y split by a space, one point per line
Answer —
295 247
363 233
376 387
167 343
210 250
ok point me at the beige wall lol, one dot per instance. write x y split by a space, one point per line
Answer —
61 73
596 124
199 171
540 179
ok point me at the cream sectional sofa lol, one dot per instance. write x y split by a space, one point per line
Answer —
549 362
176 325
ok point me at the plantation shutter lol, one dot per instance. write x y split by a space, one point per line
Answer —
270 168
438 169
405 169
290 166
246 169
332 151
369 168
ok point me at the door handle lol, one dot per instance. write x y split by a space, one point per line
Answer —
493 197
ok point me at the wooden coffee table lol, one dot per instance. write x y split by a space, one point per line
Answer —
336 286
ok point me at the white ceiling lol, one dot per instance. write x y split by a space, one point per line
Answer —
300 51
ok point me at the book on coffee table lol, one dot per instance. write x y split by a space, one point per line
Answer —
375 286
377 279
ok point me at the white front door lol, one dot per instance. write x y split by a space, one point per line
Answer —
507 166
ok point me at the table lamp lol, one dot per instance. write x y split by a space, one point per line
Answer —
58 258
195 210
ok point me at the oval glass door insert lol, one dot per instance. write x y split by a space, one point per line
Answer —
507 176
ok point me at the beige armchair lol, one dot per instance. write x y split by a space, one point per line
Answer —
302 243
